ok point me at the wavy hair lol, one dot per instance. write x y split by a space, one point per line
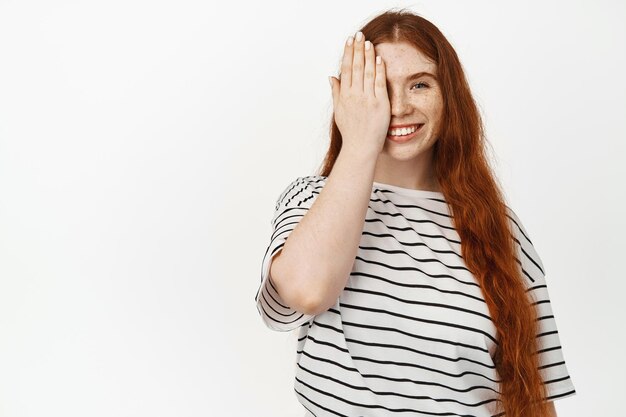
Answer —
480 214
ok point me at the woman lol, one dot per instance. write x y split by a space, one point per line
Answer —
415 288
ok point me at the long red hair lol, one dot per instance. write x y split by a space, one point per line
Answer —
479 212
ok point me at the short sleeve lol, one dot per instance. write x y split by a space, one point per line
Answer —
291 206
552 366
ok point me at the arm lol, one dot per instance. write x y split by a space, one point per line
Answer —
314 264
552 409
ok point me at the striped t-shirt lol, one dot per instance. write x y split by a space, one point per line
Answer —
410 334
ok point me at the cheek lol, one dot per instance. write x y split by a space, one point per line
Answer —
434 99
434 106
429 103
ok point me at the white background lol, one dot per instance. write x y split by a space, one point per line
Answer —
143 145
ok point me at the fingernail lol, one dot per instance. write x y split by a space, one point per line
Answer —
350 40
368 45
359 36
330 81
378 59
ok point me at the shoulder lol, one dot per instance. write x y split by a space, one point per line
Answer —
300 192
517 227
528 257
309 183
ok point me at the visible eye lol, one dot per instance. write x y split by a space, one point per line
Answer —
425 85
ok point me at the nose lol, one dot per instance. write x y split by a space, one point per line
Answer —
399 104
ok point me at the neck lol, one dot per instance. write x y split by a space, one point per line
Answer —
416 173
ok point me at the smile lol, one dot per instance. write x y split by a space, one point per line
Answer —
403 134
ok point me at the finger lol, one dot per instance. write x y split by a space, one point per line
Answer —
346 64
380 84
369 73
358 62
334 90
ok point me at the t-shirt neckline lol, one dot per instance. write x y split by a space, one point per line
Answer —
409 191
404 191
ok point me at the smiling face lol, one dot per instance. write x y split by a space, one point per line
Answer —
416 101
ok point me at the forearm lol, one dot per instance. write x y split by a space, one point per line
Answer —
318 256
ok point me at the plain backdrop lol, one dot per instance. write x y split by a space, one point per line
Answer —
143 145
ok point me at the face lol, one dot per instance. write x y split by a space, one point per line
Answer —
415 101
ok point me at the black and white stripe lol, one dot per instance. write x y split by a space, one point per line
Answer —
411 333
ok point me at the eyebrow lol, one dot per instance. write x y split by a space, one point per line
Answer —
420 74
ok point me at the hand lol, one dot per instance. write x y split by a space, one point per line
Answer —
361 105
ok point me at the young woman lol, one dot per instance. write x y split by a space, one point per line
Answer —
415 288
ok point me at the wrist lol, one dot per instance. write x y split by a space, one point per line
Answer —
362 153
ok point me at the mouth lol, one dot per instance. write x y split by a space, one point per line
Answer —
404 133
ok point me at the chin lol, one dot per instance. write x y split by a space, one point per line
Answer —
407 151
402 156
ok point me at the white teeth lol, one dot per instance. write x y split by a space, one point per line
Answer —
403 131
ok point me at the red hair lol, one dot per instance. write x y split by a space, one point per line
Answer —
479 212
